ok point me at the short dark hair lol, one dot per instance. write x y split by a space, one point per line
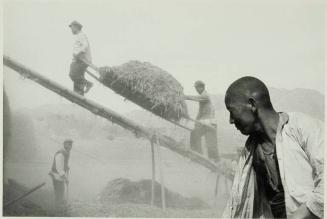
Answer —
199 84
248 85
68 141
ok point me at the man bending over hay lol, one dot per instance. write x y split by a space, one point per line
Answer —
206 115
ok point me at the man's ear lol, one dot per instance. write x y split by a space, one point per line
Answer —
253 104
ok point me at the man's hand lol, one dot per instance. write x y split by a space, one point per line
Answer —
303 213
195 98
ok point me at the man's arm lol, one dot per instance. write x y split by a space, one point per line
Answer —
311 137
200 98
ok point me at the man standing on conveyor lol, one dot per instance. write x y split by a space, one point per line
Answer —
205 118
81 51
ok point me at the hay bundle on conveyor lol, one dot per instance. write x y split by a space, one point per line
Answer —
148 86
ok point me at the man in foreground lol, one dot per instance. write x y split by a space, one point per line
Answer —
206 116
81 51
280 172
59 174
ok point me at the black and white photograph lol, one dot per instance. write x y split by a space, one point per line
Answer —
163 108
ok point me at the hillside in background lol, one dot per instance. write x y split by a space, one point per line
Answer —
307 101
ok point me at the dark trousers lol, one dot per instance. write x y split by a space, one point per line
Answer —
277 205
59 191
210 139
77 74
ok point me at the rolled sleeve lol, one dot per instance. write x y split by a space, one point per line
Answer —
315 203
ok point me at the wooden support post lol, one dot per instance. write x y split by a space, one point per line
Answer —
216 189
161 178
217 184
226 186
153 173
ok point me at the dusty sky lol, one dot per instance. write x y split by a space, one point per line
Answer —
280 41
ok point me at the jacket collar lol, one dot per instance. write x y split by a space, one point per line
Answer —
283 120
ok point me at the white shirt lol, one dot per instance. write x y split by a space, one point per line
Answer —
82 46
60 163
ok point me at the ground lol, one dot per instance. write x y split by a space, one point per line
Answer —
94 162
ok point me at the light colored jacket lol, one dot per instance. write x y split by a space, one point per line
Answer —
82 47
60 163
300 157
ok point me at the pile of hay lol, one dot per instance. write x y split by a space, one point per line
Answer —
147 86
124 191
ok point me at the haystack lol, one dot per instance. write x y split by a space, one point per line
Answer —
147 86
123 191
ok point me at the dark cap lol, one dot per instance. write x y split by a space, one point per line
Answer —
68 141
76 23
199 83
